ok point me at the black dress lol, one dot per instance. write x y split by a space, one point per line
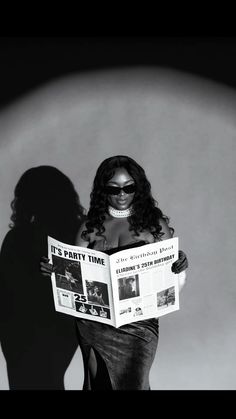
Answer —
124 355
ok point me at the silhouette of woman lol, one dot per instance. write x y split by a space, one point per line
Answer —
38 343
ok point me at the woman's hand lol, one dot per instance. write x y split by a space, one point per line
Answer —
182 280
179 267
180 264
46 268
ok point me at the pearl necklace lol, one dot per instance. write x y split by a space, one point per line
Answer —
120 213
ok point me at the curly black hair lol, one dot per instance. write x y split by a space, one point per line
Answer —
146 211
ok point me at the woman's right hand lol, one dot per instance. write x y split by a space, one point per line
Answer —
46 268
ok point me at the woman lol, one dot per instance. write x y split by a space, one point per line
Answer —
73 277
95 296
122 214
38 343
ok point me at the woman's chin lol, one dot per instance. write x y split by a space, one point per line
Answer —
121 207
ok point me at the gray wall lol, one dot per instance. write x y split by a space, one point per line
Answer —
182 130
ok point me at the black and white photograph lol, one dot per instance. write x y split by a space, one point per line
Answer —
68 274
93 310
108 142
128 287
97 293
166 297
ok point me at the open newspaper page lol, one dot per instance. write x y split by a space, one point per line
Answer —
142 281
81 282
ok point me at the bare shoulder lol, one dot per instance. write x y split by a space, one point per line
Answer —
165 229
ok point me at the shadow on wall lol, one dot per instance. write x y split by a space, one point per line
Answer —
37 342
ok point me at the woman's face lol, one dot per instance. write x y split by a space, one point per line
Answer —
120 179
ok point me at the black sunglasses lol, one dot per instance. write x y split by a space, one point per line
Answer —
115 190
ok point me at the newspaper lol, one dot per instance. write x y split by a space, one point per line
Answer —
127 286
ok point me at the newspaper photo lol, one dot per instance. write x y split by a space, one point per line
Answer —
127 286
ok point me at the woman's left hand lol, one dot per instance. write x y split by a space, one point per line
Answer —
180 264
